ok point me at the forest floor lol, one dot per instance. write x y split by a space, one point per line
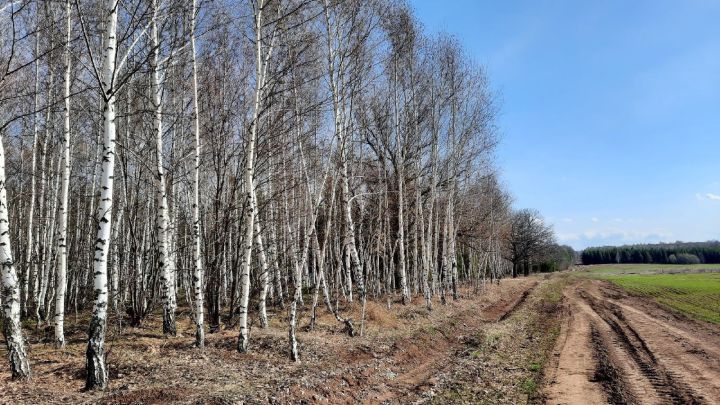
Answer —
487 346
564 338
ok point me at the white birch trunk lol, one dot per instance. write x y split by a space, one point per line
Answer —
166 277
445 255
264 276
451 200
297 291
276 268
452 235
115 296
29 257
61 277
424 247
46 293
321 282
336 79
400 161
198 271
41 238
12 329
250 215
97 372
431 247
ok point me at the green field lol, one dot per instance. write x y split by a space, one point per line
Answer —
603 269
693 290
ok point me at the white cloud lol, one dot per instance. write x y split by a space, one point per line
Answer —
568 220
594 219
707 196
614 236
567 237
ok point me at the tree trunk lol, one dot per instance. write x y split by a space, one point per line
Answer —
197 253
250 215
61 277
29 255
400 172
12 329
264 276
41 238
97 372
166 277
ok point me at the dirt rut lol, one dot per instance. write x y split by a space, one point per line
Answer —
570 381
416 362
619 349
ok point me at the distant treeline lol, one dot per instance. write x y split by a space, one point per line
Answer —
661 253
556 258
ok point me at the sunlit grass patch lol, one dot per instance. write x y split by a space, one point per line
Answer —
607 269
697 295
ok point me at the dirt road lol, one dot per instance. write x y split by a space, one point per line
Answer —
614 348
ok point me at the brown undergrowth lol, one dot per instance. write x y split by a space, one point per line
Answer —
504 362
406 354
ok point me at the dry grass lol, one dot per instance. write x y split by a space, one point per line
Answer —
378 315
389 361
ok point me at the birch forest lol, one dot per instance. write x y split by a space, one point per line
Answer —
232 166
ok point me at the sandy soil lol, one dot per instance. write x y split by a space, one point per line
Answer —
616 348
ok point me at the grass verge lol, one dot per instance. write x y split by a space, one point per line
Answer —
693 290
617 269
697 295
506 363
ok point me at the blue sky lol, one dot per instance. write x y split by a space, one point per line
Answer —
610 111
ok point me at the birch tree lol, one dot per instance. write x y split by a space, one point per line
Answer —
263 52
197 252
12 329
109 82
97 372
344 36
163 262
284 145
61 277
10 298
30 242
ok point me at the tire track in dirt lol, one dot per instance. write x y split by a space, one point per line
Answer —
570 373
423 356
506 311
688 350
629 355
666 385
628 371
613 382
699 344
